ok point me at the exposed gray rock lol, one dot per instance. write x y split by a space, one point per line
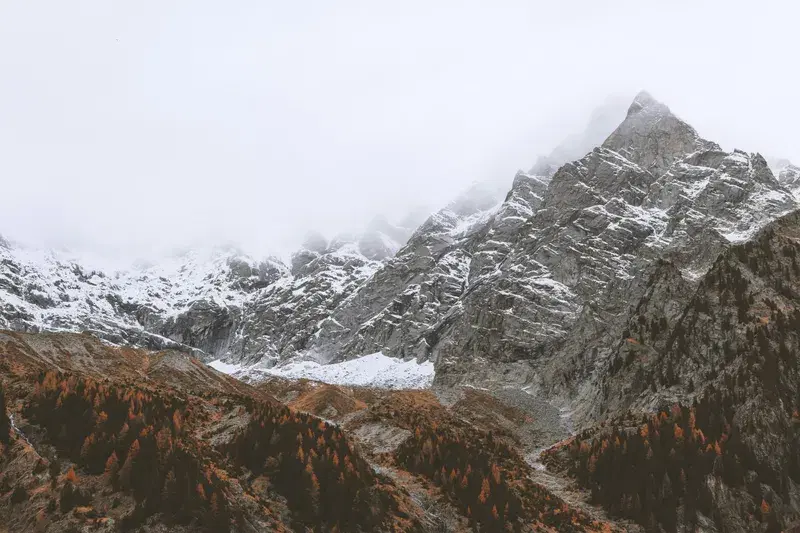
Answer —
653 138
731 336
788 175
395 307
219 303
562 296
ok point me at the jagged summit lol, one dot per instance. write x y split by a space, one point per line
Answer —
787 174
653 137
642 100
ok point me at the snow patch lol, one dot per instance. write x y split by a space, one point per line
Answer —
373 370
225 368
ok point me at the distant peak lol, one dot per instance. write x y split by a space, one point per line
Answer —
315 242
653 137
603 120
644 100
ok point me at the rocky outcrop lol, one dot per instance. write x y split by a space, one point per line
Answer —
654 138
724 349
411 300
280 320
549 312
394 308
326 303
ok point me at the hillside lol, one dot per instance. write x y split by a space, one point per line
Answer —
701 400
118 439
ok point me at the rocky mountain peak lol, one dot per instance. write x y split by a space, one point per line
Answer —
653 137
787 174
642 100
603 120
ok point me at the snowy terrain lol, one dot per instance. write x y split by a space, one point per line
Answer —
373 370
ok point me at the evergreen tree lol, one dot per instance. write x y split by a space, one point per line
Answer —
5 423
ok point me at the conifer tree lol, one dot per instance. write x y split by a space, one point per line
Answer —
112 468
5 422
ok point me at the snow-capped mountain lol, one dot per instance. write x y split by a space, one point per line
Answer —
199 300
528 289
497 279
788 175
189 299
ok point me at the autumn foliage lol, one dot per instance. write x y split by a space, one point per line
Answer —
656 472
148 444
314 466
126 434
488 480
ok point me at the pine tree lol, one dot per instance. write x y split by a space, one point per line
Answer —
5 422
112 468
71 476
86 449
485 491
127 468
219 513
54 469
169 493
69 492
496 474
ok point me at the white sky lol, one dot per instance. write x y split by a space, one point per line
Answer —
135 126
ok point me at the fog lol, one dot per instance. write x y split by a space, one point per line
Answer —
134 127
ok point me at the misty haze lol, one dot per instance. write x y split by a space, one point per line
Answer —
426 267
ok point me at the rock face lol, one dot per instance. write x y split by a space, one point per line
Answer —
414 297
721 350
788 175
392 310
684 336
219 303
547 314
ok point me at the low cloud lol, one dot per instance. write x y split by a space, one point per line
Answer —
136 128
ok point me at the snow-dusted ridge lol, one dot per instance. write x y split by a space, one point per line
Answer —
373 370
524 276
216 302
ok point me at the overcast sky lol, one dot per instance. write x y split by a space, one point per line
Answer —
134 126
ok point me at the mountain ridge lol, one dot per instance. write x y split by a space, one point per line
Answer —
653 184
